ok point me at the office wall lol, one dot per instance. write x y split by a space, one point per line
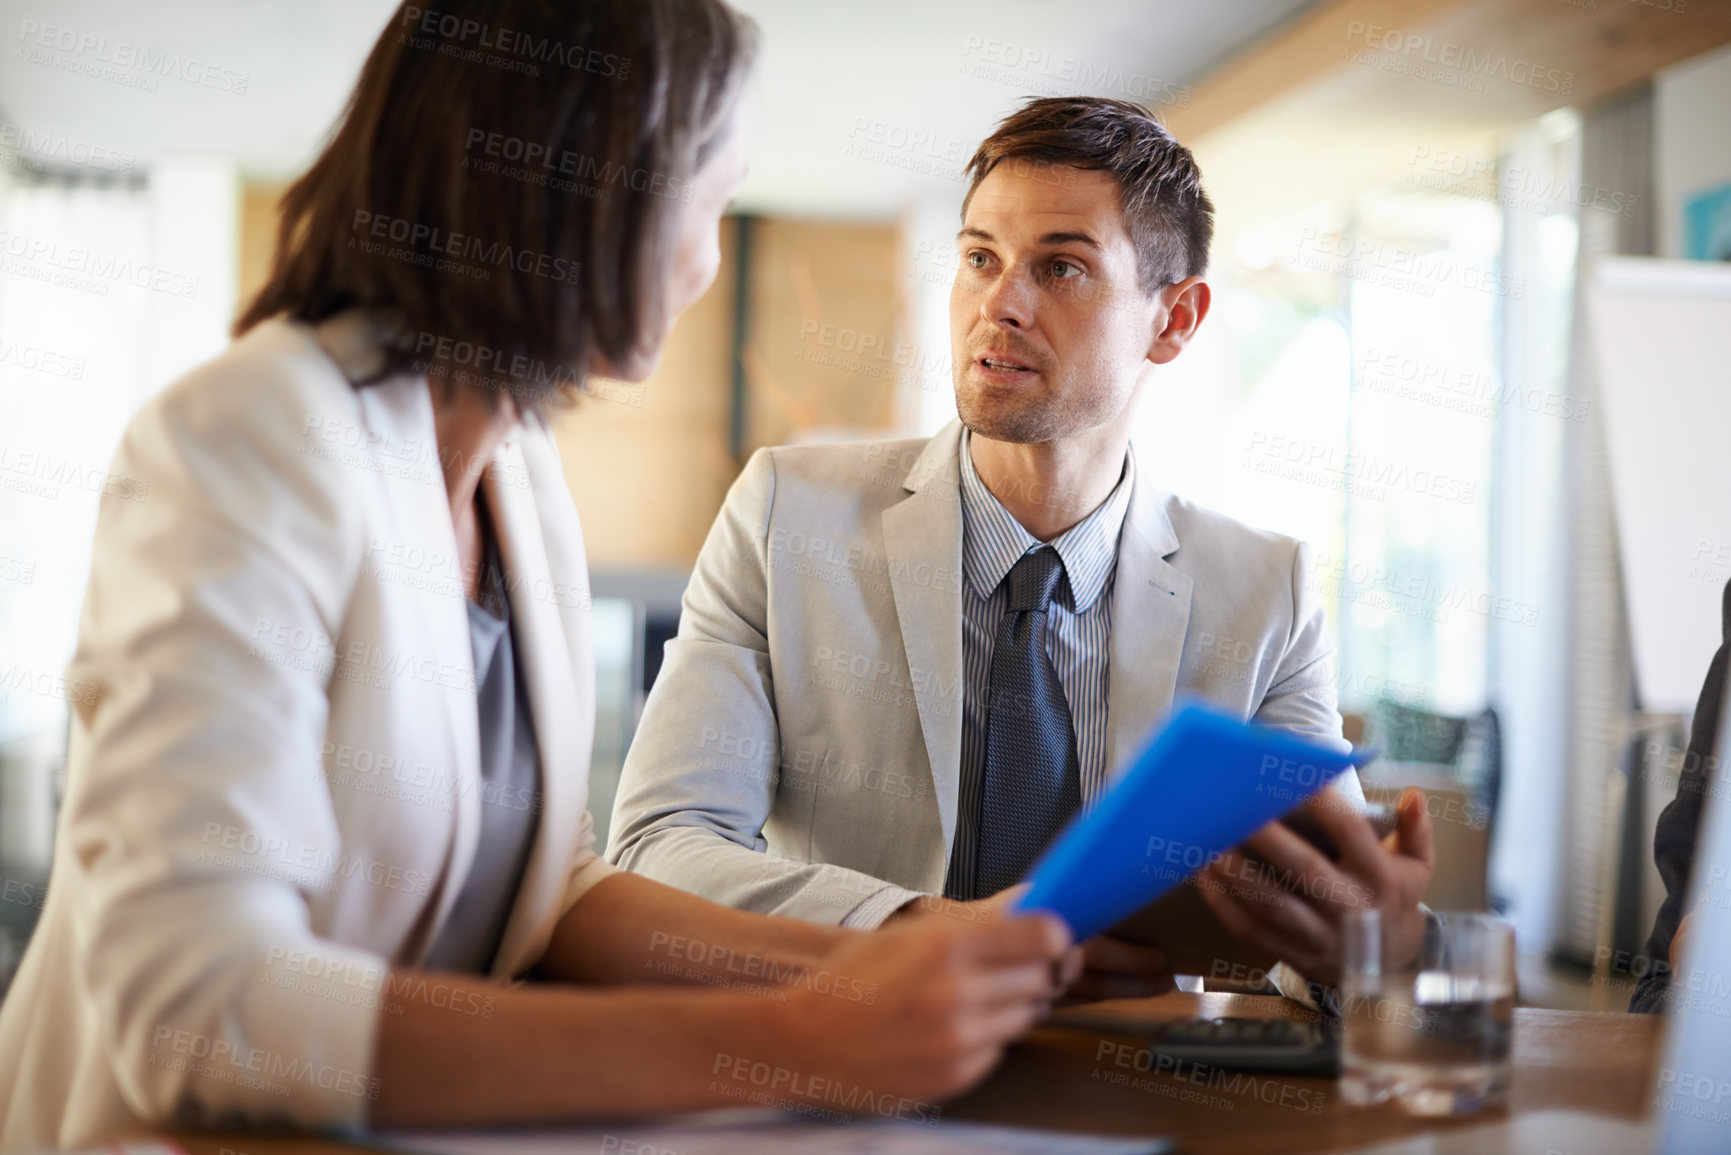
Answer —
1691 147
648 464
258 225
821 357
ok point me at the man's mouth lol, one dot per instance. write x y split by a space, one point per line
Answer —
1004 364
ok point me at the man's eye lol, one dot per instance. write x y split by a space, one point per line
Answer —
1064 270
975 260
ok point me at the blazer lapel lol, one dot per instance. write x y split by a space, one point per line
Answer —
922 538
1150 613
562 709
403 418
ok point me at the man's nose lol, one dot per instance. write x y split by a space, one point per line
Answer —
1009 301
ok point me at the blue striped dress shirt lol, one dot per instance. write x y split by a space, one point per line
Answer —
1077 634
1078 630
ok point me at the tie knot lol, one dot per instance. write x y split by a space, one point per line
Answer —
1034 580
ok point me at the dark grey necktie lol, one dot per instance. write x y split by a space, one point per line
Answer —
1033 780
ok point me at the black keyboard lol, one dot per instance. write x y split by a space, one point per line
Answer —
1284 1046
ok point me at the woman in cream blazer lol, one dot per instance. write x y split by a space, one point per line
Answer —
274 795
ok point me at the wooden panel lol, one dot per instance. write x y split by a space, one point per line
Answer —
1601 46
1301 51
647 463
1608 45
258 225
823 330
649 468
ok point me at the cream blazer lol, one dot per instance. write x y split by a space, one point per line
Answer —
801 750
274 792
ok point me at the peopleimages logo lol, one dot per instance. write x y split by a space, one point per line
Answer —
470 39
86 53
224 1059
44 258
37 474
39 360
798 1089
381 228
57 148
541 164
1459 60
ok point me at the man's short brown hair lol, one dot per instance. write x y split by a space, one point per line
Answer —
1169 216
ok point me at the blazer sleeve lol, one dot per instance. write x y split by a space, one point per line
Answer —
1679 825
197 824
1301 696
700 778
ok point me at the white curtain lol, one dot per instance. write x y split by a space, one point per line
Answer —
108 289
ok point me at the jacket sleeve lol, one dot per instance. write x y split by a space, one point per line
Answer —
1302 696
197 820
700 779
1679 826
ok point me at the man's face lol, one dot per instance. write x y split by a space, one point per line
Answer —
1049 329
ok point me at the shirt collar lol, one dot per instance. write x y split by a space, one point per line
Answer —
993 541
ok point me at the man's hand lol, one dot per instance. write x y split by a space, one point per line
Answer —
1294 901
1112 968
1680 940
942 1000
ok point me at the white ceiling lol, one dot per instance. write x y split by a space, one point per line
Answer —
300 59
833 74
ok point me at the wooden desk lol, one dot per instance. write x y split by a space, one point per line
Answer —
1598 1062
1066 1076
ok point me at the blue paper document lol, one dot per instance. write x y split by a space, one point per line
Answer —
1202 784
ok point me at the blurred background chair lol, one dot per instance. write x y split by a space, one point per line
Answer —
1457 762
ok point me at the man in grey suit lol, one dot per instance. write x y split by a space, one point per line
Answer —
902 665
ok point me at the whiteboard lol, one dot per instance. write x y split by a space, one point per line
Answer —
1661 333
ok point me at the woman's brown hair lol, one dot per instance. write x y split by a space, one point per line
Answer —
505 182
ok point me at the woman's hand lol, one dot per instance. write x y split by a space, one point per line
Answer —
1088 971
923 1009
887 1022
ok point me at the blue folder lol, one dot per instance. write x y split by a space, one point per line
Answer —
1201 784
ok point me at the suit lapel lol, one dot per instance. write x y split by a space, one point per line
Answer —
404 418
561 709
1150 613
922 538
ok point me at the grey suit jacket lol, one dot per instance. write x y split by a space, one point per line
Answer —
801 747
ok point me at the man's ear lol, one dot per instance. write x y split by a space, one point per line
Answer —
1183 304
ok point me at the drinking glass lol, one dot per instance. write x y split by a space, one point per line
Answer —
1432 1032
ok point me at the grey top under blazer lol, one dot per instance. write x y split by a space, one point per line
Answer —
800 750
